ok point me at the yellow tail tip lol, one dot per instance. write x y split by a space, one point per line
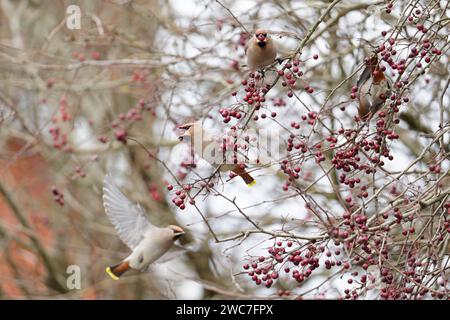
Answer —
251 184
111 274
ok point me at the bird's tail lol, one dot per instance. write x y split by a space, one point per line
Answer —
248 179
116 271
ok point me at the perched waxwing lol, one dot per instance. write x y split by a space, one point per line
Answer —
261 50
373 89
147 242
210 150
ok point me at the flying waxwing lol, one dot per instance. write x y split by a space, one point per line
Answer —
261 51
373 89
210 150
147 242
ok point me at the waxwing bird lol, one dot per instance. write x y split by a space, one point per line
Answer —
261 50
147 242
210 150
373 89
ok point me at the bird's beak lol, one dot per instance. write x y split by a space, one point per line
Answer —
183 131
178 234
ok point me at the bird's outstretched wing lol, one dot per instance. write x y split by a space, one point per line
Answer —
128 218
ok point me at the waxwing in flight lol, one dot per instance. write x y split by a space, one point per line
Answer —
147 242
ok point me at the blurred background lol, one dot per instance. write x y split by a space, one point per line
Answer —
71 97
